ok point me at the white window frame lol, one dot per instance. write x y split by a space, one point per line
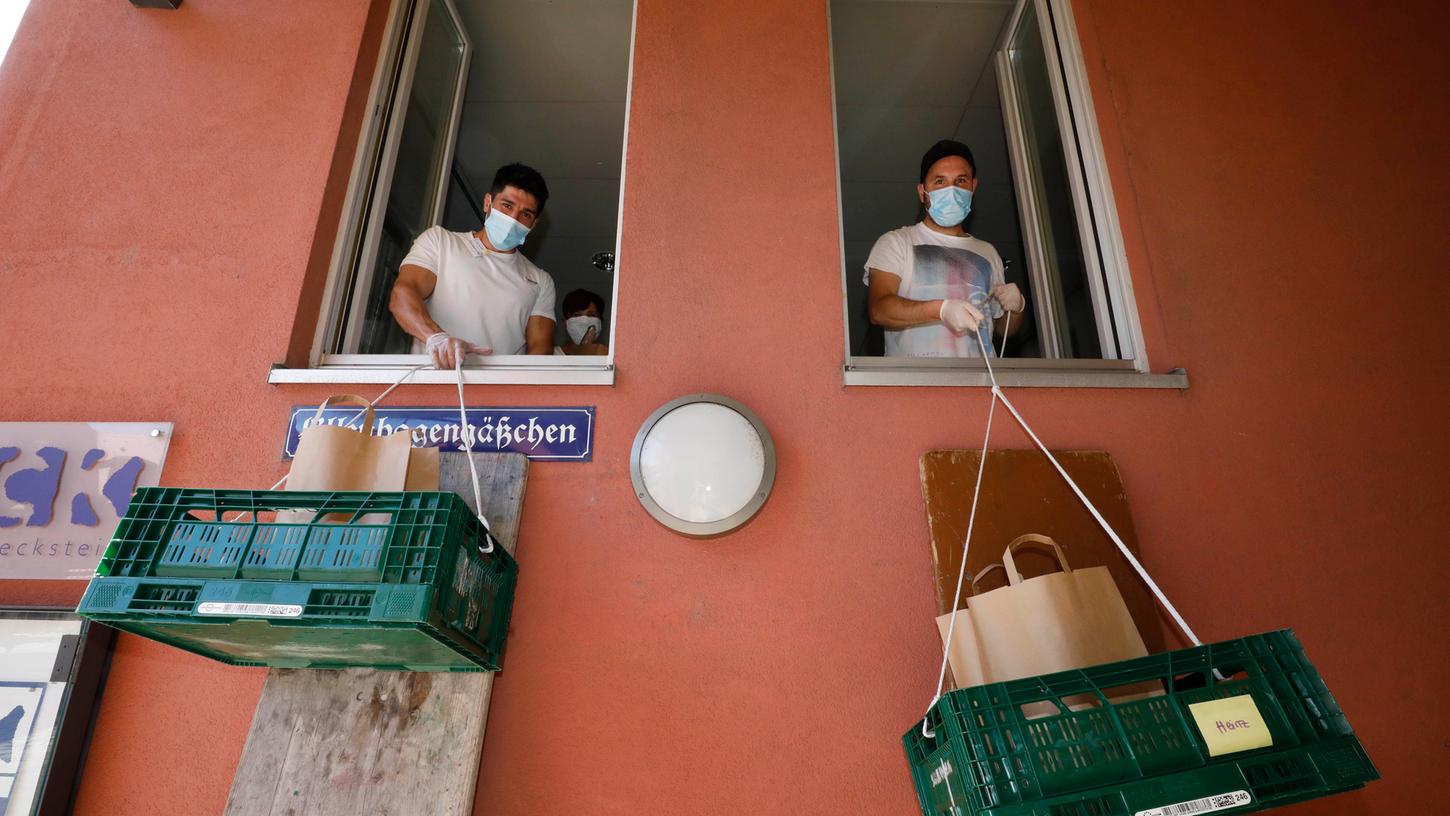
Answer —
525 369
1097 220
368 246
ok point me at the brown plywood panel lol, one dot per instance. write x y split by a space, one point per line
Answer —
1023 493
358 741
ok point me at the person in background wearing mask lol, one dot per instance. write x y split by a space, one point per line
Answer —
584 322
463 293
934 288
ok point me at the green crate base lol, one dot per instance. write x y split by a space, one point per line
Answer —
1115 751
342 625
246 642
1272 780
387 580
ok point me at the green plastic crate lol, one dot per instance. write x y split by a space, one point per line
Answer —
308 580
1137 755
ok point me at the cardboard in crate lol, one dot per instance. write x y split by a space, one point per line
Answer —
1262 732
308 580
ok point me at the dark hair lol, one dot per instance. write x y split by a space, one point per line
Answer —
523 177
579 300
942 149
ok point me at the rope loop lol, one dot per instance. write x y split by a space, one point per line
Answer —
986 346
468 452
463 434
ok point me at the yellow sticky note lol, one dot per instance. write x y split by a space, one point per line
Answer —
1231 725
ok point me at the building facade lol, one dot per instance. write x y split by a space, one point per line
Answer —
171 184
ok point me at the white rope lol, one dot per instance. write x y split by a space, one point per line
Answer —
941 677
373 403
462 433
467 440
1098 516
1103 523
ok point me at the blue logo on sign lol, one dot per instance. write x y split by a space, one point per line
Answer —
40 486
542 434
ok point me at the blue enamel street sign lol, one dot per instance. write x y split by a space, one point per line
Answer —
542 434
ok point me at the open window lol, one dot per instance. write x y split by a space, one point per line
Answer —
1005 77
463 87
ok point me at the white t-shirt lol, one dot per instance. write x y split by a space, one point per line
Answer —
933 266
481 296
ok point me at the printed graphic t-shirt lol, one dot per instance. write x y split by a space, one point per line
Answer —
933 266
481 296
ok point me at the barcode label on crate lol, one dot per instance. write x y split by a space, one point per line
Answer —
1207 804
253 609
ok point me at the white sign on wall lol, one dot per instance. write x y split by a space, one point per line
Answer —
63 487
30 703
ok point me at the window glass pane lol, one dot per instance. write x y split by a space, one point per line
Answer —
420 172
1062 245
30 704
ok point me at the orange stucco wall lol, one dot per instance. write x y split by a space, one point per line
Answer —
1280 174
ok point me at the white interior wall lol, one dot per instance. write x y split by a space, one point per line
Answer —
547 87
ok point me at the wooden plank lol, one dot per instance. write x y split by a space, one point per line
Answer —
1022 493
360 742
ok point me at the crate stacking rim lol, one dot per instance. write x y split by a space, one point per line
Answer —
1103 753
308 579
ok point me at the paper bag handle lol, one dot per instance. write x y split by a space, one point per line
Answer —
349 398
975 579
1013 576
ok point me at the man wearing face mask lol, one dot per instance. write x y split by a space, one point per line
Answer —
584 323
463 293
935 289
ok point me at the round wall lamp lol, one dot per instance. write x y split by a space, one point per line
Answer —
702 464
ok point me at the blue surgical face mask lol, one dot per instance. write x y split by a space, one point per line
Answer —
503 232
949 206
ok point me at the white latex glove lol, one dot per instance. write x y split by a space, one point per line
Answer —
447 351
1009 296
960 316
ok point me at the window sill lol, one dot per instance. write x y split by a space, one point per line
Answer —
882 371
386 369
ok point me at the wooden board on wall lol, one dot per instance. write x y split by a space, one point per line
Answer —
1022 493
359 742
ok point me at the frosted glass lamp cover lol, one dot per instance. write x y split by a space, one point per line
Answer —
702 464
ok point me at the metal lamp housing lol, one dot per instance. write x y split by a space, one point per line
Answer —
701 462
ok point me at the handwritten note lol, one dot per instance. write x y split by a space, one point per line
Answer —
1231 725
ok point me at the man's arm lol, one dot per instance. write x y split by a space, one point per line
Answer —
1010 297
414 285
539 335
894 312
1019 319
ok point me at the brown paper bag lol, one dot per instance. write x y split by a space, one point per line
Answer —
1063 620
332 457
422 470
